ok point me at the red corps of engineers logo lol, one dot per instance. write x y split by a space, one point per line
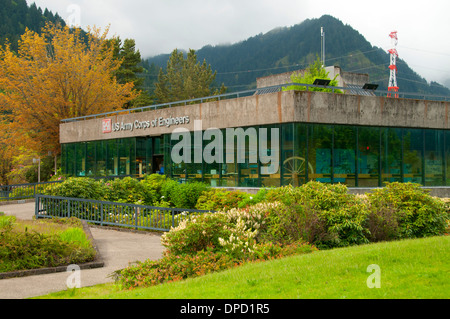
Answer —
106 126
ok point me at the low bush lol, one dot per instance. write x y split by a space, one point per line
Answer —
168 190
345 226
153 184
153 190
20 250
323 214
178 267
126 190
199 233
79 187
186 195
317 195
172 268
220 199
405 210
6 222
285 221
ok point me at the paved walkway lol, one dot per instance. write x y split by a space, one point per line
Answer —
118 249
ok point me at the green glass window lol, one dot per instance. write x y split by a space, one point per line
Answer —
434 158
248 175
194 170
141 156
269 154
112 161
80 159
90 159
295 166
230 167
344 155
391 155
368 156
320 145
212 159
413 155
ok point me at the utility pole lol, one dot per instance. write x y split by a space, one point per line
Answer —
322 46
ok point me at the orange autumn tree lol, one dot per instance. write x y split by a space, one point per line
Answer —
58 74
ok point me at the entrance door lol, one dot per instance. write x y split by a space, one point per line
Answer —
158 164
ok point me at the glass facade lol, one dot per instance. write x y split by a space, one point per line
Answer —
276 155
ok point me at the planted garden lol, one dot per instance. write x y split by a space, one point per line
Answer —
40 244
271 224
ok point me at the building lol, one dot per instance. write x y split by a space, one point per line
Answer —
269 138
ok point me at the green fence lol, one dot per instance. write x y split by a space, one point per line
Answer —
105 213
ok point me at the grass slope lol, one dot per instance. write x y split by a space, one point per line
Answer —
410 269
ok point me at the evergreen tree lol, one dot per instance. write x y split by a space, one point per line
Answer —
130 69
16 15
185 78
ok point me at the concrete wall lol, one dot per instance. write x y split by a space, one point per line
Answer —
273 108
318 107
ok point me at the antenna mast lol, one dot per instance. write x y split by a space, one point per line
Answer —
322 53
393 66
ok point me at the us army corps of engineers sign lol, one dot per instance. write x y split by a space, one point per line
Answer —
108 126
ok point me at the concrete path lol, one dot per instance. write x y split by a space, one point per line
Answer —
118 249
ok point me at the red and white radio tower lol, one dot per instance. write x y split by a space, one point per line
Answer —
393 67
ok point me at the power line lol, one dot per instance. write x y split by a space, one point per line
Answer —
426 51
294 65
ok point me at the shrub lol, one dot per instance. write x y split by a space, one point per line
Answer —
186 195
220 199
6 222
199 233
153 185
178 267
126 190
259 197
168 189
317 195
319 213
294 222
30 250
405 210
172 268
345 226
79 187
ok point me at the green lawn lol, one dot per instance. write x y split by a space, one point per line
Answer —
409 269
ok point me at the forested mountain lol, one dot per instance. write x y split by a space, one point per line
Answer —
293 48
16 15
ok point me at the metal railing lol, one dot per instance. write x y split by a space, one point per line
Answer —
105 213
263 90
30 190
24 191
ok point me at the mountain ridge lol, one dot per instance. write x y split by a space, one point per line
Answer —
16 15
286 49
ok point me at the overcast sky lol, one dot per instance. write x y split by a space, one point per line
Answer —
159 26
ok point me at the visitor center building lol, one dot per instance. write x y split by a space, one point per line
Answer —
271 136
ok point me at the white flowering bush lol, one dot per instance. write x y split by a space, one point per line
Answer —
235 232
200 232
